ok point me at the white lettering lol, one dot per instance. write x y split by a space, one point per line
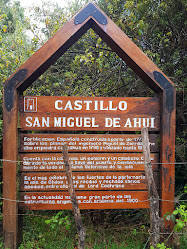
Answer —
78 105
87 102
111 106
123 105
57 106
137 122
152 122
28 121
69 123
57 122
36 122
108 122
128 123
68 106
45 122
102 106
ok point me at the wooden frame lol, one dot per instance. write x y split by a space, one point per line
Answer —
41 61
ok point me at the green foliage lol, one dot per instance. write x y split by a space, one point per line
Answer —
38 234
59 220
14 46
161 246
179 216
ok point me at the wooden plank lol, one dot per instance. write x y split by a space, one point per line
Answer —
85 162
10 209
86 200
83 122
88 113
89 105
167 158
85 142
83 180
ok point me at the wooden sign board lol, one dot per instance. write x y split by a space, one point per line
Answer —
96 199
83 181
109 162
85 143
92 114
34 162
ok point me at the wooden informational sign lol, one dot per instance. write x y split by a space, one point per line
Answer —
100 161
84 143
97 199
92 114
107 167
85 162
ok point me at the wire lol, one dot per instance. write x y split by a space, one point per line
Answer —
6 199
175 163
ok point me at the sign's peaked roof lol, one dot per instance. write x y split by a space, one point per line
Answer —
90 17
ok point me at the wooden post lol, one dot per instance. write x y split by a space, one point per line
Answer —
76 210
152 191
10 209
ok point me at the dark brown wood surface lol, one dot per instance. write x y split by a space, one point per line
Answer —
85 142
88 113
88 122
89 105
10 209
86 200
85 180
86 162
167 158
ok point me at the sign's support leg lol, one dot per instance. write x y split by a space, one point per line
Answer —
167 160
10 207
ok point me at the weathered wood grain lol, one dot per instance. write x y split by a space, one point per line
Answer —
86 162
88 113
87 200
83 105
84 180
85 142
10 208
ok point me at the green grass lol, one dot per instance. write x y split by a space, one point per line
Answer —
103 230
109 229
